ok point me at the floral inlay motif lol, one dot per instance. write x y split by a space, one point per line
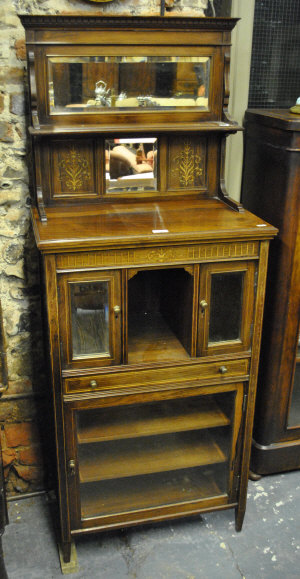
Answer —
74 169
188 165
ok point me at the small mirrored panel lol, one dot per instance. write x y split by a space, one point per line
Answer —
90 318
89 84
131 164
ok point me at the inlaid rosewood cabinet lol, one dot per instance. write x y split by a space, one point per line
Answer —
154 276
273 158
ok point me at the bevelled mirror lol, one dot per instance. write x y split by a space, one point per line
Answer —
89 84
131 164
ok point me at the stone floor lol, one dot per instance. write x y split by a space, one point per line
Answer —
203 547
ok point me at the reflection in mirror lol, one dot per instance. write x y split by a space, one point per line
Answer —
89 84
131 164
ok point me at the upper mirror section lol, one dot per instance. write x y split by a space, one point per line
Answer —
89 84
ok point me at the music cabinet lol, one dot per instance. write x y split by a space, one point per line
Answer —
271 187
154 277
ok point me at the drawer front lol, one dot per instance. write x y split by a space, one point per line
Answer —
159 378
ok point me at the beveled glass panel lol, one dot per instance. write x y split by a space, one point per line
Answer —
226 306
131 164
155 453
294 413
90 318
87 84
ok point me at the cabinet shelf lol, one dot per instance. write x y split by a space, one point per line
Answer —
147 420
147 455
151 339
123 495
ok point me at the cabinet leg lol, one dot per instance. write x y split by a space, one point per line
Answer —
239 519
254 476
68 557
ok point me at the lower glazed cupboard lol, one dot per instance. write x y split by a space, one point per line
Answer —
154 455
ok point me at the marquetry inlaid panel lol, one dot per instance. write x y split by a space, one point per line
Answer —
158 255
187 163
73 168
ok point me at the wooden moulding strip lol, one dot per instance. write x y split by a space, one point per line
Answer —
176 255
154 514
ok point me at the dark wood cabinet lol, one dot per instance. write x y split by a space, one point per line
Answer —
154 276
271 188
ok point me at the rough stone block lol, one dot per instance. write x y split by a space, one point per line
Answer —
30 456
6 132
20 49
8 456
30 473
21 434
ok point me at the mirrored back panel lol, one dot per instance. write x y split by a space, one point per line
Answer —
88 84
131 164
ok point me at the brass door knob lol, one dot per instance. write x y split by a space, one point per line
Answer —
223 370
203 304
93 384
117 310
72 466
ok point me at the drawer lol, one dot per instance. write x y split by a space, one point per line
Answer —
159 378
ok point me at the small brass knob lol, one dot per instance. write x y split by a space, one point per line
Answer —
93 384
203 304
72 465
117 310
223 370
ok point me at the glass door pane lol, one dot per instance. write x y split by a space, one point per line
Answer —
90 318
155 453
226 307
294 412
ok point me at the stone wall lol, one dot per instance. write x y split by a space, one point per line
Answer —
23 406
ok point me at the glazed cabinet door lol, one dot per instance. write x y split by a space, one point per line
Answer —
90 318
294 403
153 456
226 307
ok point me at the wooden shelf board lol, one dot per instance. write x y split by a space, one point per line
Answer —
122 495
150 419
150 339
148 455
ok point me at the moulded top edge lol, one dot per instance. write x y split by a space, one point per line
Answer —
209 126
31 21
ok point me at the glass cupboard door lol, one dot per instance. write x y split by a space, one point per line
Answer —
152 455
294 410
90 318
226 305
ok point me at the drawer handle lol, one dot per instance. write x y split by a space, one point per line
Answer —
203 304
223 369
117 310
93 384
